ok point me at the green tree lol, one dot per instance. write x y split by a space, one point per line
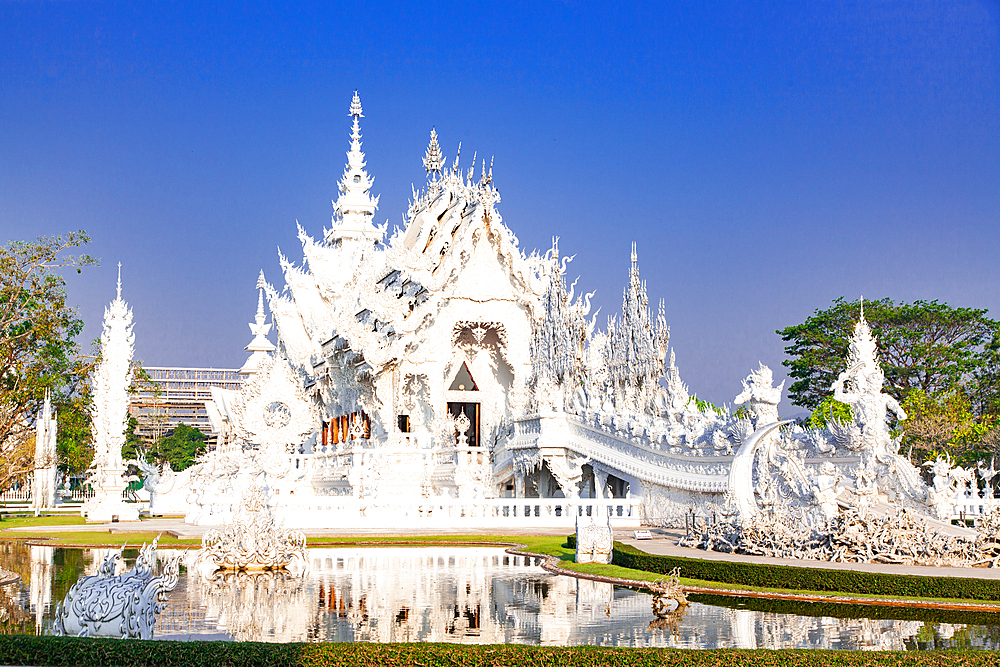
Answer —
37 347
924 345
133 443
181 446
73 441
828 409
946 424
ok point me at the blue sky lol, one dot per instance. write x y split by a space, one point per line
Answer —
767 157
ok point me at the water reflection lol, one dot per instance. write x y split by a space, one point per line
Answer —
453 594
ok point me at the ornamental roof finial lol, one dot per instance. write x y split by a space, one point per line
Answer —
433 160
119 281
260 306
635 257
356 106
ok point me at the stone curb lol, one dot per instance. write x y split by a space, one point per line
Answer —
549 564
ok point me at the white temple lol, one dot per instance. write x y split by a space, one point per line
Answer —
443 377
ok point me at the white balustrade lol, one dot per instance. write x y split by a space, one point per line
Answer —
350 512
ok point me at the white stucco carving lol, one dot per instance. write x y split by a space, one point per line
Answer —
440 375
252 542
118 605
43 485
594 541
109 415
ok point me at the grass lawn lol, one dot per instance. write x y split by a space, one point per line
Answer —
27 521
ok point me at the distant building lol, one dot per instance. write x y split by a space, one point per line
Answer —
192 396
182 398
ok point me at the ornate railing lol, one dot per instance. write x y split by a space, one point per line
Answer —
340 511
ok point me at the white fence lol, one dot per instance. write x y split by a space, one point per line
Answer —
500 513
20 493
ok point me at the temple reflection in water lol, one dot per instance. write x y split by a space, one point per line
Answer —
476 595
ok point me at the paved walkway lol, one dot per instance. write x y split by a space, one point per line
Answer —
664 543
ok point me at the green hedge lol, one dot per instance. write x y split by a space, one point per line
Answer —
44 651
845 610
809 578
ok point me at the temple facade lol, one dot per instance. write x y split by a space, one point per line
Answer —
442 376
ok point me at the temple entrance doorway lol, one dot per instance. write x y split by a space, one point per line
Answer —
471 411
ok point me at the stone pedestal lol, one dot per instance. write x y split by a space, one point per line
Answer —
107 504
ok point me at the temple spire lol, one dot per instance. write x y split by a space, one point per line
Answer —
119 281
354 209
260 346
433 160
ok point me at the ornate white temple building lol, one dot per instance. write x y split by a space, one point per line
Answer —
441 376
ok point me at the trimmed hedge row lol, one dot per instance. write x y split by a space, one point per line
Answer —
845 610
809 578
27 650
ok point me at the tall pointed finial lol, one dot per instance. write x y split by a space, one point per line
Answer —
862 307
119 280
260 307
635 257
433 160
353 210
356 106
260 346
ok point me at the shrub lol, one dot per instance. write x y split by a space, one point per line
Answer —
26 650
809 578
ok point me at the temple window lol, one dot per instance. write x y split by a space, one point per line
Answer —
463 380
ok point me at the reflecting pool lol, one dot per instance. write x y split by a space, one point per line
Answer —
471 595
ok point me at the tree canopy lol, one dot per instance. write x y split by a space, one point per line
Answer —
37 347
181 446
940 363
924 345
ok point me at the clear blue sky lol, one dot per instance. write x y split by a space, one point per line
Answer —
767 156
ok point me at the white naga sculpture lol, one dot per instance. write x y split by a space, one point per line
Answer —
868 504
110 415
594 541
118 605
252 542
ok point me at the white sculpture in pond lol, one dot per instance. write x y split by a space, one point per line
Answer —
594 542
252 542
118 605
110 415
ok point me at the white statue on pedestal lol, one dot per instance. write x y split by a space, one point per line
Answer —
43 488
594 541
110 415
826 488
